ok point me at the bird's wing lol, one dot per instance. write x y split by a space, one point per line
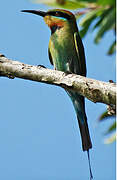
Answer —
80 53
50 57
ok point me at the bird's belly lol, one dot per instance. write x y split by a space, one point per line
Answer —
64 57
61 60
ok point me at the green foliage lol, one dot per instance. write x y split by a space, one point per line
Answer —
112 48
100 13
105 23
105 115
88 19
111 129
107 2
63 4
112 137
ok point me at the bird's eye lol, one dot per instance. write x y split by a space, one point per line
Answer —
56 14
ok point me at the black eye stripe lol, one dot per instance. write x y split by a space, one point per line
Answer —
59 14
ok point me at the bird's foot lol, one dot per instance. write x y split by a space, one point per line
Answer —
68 72
41 66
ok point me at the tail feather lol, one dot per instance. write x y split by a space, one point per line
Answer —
85 136
91 175
79 105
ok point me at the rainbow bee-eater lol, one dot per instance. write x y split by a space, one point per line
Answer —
66 53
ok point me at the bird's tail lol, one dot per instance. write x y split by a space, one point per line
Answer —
85 136
79 105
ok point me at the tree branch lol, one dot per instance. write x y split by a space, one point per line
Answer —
94 90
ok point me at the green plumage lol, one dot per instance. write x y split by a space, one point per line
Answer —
66 53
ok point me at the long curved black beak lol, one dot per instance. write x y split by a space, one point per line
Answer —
40 13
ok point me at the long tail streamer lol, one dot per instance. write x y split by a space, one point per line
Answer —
91 175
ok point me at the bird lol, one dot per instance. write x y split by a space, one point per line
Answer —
66 53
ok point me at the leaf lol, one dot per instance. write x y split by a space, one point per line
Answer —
112 48
106 2
90 15
88 19
111 128
69 4
104 116
111 139
85 29
101 17
107 23
91 1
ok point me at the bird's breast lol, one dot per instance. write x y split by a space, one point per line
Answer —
63 51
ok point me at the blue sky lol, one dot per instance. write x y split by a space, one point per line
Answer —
39 135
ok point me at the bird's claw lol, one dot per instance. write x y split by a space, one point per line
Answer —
68 72
41 66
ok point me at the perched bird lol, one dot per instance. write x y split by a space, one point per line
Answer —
66 53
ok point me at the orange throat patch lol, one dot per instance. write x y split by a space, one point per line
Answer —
52 21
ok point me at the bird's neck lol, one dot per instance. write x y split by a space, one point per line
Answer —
63 34
63 28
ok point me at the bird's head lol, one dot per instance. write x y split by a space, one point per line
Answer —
55 18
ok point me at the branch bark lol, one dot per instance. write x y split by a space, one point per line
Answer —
94 90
